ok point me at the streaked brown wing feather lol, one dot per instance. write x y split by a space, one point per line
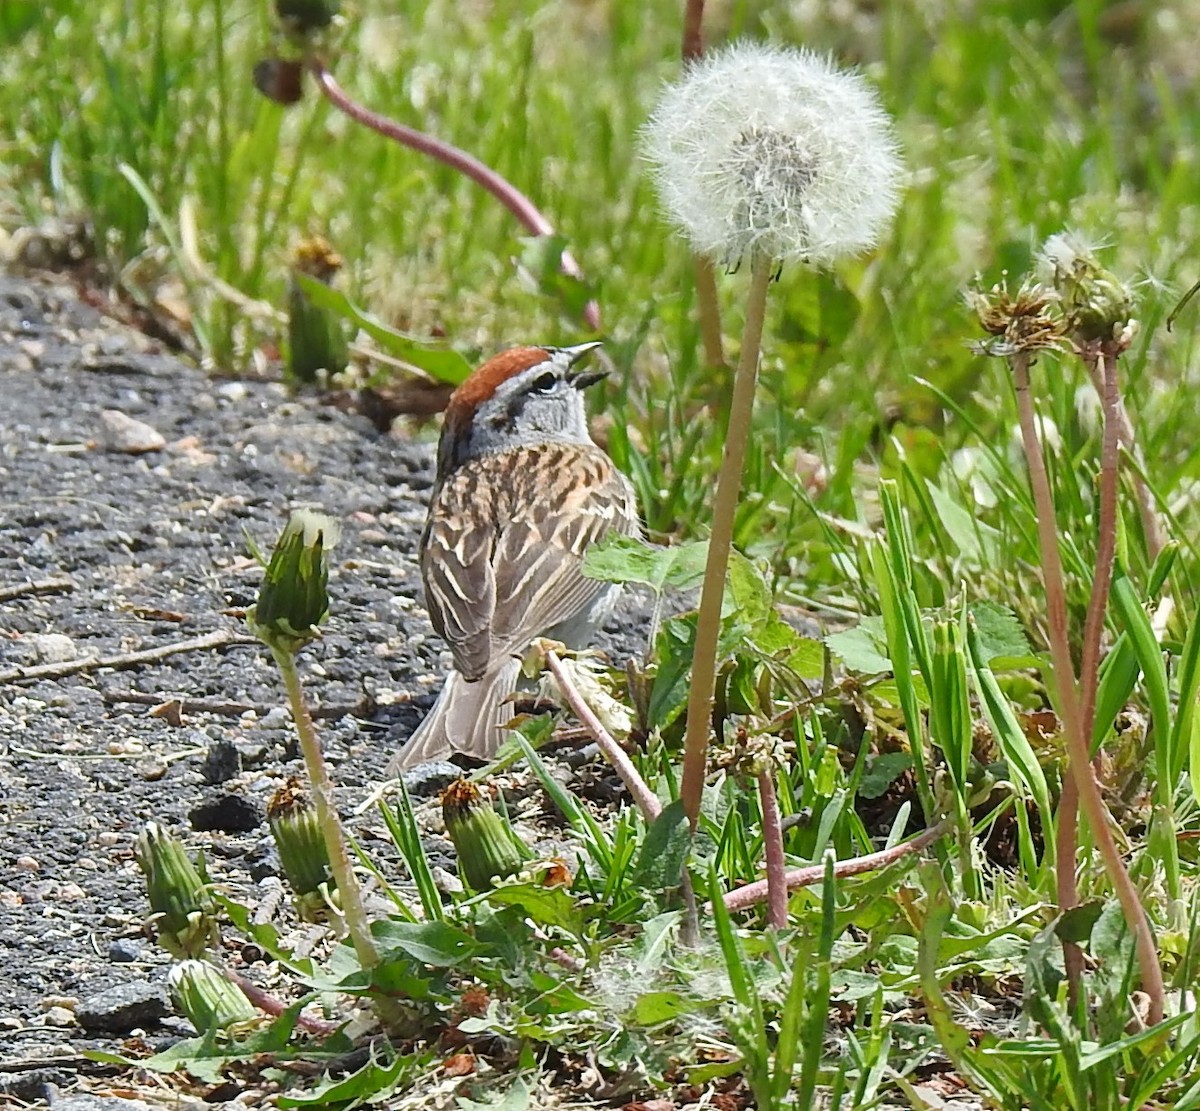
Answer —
512 573
460 590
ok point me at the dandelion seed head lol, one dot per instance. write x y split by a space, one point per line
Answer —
1097 304
765 150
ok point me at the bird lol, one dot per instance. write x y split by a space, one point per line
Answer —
519 494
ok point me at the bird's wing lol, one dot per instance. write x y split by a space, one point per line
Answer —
538 563
492 587
460 590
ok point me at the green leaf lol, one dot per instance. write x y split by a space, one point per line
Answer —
1001 636
625 559
657 1007
747 592
674 649
1076 923
547 906
515 1099
974 539
440 362
862 648
435 943
541 264
882 771
664 852
372 1083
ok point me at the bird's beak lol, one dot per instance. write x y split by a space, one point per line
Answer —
581 379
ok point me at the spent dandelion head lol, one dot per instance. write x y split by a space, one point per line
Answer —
1022 324
770 151
1098 306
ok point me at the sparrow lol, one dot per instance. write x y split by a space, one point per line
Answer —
520 493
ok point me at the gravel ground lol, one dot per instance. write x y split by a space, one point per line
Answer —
119 538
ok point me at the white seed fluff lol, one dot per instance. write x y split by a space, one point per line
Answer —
774 151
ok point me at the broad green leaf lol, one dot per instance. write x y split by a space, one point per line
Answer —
1001 636
973 538
862 648
517 1098
547 906
882 771
625 559
439 362
435 943
656 1007
383 1073
664 852
1076 923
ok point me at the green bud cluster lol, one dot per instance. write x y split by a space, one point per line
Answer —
206 998
294 598
487 846
178 893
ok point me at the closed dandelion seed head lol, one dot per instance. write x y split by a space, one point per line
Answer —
764 151
1097 304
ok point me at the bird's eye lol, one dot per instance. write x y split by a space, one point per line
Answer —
544 383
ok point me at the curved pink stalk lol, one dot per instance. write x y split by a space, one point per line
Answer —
501 188
777 889
742 897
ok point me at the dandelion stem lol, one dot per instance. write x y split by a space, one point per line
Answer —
646 799
1151 525
500 187
1103 366
693 30
777 888
729 486
322 791
1063 671
708 309
748 895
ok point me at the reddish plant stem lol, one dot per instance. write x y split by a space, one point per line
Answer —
756 892
268 1004
708 308
777 891
720 543
1078 749
693 31
501 188
1066 889
1103 365
1151 525
646 799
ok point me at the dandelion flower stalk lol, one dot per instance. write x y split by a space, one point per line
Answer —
720 543
770 155
292 604
1022 327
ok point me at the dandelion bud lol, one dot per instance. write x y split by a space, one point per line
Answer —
488 848
1097 304
206 998
301 16
178 893
279 79
767 151
294 600
316 336
302 852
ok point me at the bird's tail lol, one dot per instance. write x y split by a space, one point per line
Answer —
466 718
